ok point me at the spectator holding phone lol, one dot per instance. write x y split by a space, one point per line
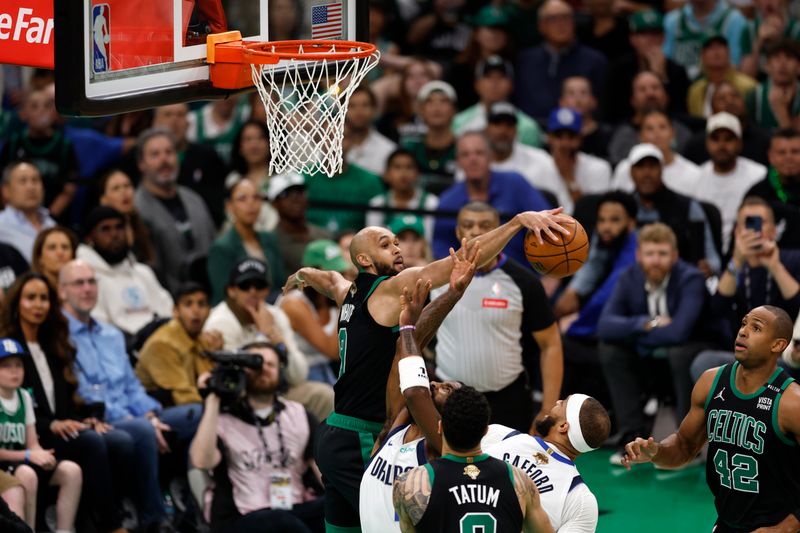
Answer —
758 273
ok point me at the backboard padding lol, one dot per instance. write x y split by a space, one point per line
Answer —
114 56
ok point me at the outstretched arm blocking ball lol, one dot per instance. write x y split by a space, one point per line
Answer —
375 250
560 255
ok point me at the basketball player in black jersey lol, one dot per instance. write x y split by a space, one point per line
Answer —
749 413
368 318
465 489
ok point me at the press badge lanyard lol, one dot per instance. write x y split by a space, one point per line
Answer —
280 487
267 453
748 290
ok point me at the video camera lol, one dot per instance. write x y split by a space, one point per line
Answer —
228 380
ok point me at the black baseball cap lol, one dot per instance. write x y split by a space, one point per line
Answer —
249 270
715 38
99 214
502 112
494 63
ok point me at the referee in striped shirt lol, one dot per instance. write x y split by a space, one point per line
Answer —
501 320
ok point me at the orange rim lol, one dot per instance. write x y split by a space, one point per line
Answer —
313 50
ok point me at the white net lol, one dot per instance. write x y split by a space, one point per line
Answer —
306 105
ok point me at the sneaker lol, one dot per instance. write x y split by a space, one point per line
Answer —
130 520
616 457
651 407
178 491
50 518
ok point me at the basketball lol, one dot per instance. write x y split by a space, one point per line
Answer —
558 258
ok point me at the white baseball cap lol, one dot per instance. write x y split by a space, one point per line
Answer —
644 150
726 121
280 182
437 86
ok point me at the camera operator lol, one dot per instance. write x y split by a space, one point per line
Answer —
259 448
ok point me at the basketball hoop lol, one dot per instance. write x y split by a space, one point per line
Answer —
305 99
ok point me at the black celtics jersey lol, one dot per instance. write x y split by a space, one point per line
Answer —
366 350
753 469
470 494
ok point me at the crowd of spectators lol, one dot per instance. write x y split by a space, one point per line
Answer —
130 246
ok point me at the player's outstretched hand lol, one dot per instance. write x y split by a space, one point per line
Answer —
545 222
640 451
465 261
294 282
412 302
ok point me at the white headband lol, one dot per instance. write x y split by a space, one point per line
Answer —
574 432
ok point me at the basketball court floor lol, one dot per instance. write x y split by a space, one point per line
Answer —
646 499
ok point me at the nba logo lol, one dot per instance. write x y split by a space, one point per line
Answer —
101 18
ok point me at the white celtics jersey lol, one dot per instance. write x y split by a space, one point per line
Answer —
391 460
565 498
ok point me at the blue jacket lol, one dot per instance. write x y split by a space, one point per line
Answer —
586 323
105 373
625 314
540 72
94 150
509 193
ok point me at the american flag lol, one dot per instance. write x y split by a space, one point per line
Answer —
326 21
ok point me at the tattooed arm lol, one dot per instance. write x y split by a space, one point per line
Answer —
411 493
535 519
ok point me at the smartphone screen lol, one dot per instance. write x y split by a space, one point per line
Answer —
754 223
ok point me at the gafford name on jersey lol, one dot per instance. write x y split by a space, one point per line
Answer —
532 470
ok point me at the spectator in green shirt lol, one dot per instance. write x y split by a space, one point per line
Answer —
435 151
353 185
242 240
772 21
775 103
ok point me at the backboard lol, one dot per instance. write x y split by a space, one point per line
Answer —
113 56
